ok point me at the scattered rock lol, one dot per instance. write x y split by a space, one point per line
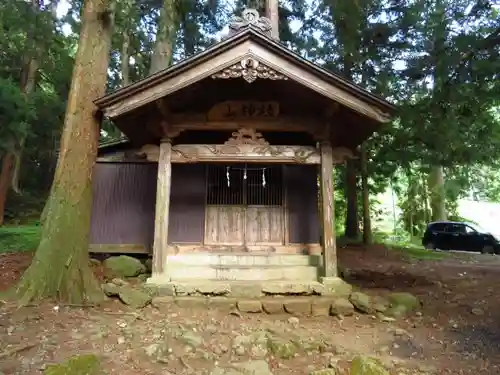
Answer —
124 266
477 311
162 303
362 302
294 321
119 282
408 300
111 290
81 365
341 307
362 365
281 347
321 306
191 339
134 298
148 263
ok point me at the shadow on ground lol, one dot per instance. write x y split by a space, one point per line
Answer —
386 280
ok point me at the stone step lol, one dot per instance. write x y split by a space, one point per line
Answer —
181 272
243 259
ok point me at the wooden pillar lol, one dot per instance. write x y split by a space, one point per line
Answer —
162 208
329 242
272 12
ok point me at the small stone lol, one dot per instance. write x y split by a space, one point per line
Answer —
273 306
477 311
341 307
123 266
120 340
294 321
362 302
297 306
404 299
191 339
250 306
239 350
281 347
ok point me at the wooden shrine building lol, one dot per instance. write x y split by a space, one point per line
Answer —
226 172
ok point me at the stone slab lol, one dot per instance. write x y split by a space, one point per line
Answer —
297 306
250 306
320 306
191 302
273 306
222 303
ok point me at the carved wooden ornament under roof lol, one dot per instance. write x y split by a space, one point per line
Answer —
250 69
250 17
246 136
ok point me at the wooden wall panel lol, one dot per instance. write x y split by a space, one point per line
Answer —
225 225
301 183
123 204
187 203
264 225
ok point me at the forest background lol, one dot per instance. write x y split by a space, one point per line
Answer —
438 60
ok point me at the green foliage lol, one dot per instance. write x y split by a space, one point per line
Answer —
19 238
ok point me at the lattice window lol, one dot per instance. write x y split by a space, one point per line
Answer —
245 184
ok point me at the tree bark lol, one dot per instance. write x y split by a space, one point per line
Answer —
351 221
60 268
272 12
437 193
5 180
168 25
367 222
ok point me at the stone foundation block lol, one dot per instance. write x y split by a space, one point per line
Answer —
297 306
191 302
321 306
286 288
246 290
250 306
273 306
335 286
214 289
185 289
222 303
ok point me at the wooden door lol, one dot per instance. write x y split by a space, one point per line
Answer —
244 205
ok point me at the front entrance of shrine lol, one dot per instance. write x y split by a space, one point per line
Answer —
245 205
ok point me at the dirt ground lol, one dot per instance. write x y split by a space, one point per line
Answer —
456 332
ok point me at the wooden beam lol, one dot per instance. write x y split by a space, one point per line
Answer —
328 212
118 248
236 153
162 210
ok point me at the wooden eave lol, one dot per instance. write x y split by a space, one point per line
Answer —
249 43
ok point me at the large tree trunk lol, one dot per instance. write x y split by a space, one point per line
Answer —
5 181
168 25
351 220
367 222
272 12
437 193
60 268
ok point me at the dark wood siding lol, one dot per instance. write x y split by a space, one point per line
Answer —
302 192
187 204
124 204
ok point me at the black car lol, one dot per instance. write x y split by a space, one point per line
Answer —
452 235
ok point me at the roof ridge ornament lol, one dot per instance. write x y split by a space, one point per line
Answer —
250 69
250 17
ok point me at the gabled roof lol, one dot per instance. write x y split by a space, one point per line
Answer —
250 43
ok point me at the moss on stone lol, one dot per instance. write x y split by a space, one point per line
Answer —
79 365
362 365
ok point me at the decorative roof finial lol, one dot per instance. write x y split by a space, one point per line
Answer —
250 17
